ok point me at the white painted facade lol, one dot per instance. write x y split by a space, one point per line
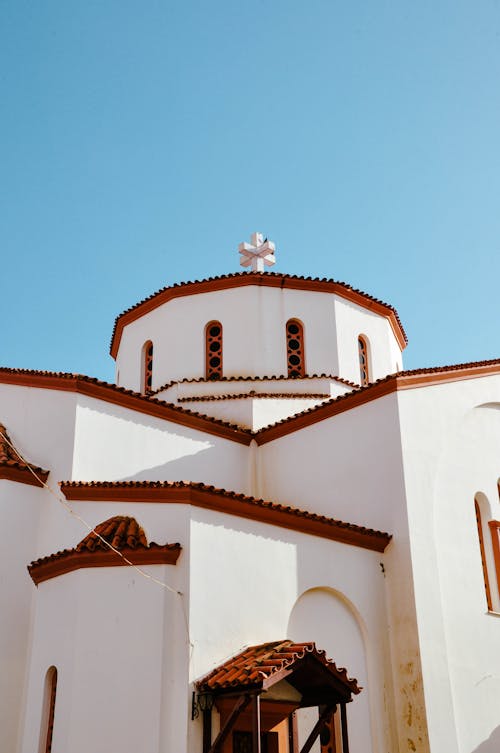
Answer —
407 456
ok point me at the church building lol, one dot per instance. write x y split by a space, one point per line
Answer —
265 537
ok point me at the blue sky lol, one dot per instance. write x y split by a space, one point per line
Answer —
140 142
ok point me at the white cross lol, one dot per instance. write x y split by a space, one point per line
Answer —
257 253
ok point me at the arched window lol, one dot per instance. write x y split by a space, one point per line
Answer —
213 350
147 367
483 553
364 369
295 348
49 705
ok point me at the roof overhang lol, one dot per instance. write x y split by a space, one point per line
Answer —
267 279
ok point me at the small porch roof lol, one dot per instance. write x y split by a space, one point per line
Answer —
259 668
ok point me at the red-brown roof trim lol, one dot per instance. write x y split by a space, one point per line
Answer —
265 378
110 393
268 279
167 411
404 380
253 395
23 475
232 503
69 560
14 468
129 546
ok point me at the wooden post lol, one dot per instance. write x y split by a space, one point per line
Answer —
240 705
207 730
256 724
293 733
343 719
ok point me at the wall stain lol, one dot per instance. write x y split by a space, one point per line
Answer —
412 708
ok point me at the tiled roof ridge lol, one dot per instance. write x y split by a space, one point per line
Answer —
370 387
71 554
66 552
123 391
254 664
122 533
258 502
10 457
257 276
449 367
253 394
272 378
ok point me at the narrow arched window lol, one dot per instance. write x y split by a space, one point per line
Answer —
483 554
295 348
364 368
147 367
213 350
49 705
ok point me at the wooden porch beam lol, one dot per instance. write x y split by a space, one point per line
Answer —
256 746
324 716
239 706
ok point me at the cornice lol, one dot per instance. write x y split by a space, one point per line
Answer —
70 559
404 380
24 475
110 393
232 503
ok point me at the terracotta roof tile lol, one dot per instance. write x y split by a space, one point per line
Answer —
254 394
13 467
272 378
257 664
122 533
119 531
274 279
237 504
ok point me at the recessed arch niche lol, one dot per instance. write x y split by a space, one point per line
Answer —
327 617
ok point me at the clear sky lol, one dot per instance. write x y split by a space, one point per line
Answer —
140 142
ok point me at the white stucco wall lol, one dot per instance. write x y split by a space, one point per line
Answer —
260 578
350 467
114 443
40 424
20 509
120 644
451 446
